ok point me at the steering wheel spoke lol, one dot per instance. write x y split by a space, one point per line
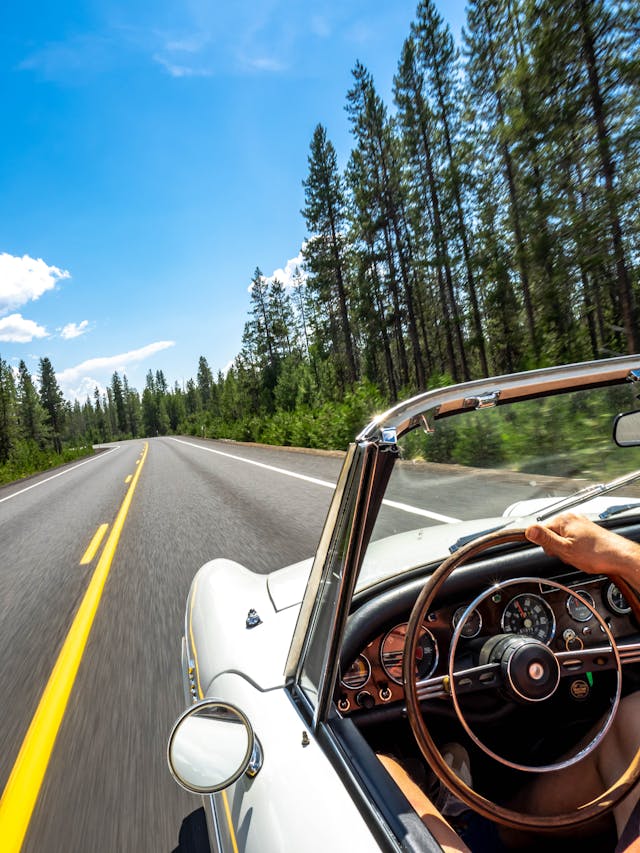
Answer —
470 680
581 661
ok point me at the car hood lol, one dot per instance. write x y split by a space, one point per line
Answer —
384 558
401 552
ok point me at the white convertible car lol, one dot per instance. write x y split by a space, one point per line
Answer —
424 619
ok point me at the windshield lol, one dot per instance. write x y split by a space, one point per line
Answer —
500 466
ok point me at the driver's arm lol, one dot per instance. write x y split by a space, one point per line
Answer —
439 827
587 546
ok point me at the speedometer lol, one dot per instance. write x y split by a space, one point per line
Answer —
530 616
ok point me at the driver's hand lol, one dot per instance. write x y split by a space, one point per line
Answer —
587 546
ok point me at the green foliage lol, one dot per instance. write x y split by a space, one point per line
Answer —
561 436
28 458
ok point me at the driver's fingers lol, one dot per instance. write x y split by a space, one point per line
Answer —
546 538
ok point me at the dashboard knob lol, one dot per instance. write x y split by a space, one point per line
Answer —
365 699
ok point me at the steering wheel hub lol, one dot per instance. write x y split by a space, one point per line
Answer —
530 670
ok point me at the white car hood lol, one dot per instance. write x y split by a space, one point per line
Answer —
404 551
384 558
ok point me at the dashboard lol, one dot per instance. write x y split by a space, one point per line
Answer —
371 677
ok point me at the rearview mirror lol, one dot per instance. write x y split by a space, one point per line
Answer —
626 429
210 746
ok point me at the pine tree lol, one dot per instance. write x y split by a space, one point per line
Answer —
52 402
324 251
439 63
31 412
8 425
117 392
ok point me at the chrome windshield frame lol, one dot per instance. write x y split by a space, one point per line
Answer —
469 396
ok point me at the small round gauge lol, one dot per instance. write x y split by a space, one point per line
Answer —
576 609
358 674
392 650
471 627
529 615
616 600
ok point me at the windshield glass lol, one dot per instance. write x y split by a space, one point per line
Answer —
498 466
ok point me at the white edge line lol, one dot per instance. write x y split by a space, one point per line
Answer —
308 479
447 519
59 474
414 510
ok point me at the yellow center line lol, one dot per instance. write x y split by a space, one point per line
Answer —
90 553
128 479
20 795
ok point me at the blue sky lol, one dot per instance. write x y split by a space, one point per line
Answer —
152 156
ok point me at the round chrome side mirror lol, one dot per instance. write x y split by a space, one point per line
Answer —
210 746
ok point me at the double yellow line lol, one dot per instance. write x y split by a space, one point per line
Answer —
20 795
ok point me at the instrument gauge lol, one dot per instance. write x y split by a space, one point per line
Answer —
616 601
357 675
576 609
471 627
530 616
392 650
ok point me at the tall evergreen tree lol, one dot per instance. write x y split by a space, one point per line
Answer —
8 425
117 394
52 402
325 249
439 62
31 412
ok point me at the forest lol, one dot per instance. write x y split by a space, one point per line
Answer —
486 221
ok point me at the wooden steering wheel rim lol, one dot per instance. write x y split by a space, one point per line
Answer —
507 817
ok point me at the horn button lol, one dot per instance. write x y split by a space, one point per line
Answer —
530 670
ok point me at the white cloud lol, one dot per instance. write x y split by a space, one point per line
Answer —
264 63
176 70
74 330
74 378
286 275
17 330
84 389
192 43
24 280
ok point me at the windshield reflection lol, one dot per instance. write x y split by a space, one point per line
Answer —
491 468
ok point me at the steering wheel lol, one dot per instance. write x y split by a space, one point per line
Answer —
523 667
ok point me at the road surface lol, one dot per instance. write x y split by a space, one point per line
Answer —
105 784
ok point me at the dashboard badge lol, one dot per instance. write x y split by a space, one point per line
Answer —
579 689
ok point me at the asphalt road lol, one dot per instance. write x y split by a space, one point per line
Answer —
106 786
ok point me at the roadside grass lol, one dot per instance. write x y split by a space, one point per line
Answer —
29 459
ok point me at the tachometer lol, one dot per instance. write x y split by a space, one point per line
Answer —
529 615
392 649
